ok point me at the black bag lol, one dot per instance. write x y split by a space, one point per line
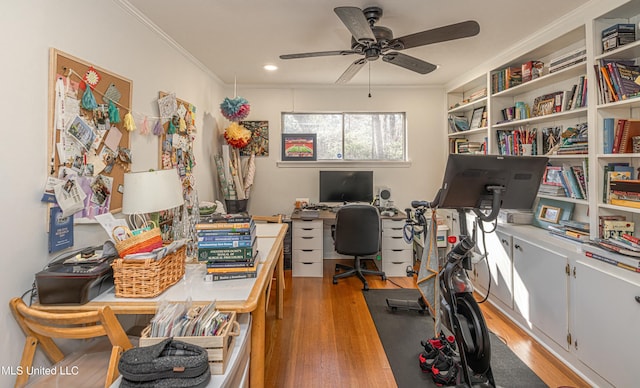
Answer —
169 363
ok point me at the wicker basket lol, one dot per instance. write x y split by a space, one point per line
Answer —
147 278
141 243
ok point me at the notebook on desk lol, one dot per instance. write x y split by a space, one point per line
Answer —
309 214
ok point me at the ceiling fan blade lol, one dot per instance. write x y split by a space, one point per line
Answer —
351 71
353 18
440 34
409 62
318 54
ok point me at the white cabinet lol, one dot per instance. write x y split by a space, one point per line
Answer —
541 288
606 318
306 260
499 270
397 254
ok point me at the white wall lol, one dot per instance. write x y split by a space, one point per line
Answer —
98 32
276 187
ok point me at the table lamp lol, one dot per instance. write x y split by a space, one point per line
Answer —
153 191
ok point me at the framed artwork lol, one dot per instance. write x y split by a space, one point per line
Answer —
552 176
259 143
549 214
476 117
299 147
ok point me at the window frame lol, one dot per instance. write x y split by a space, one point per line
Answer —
405 145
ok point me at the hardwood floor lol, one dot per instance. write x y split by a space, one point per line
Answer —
327 338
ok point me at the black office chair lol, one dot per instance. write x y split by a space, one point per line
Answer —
357 233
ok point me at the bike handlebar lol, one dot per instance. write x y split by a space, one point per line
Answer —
430 204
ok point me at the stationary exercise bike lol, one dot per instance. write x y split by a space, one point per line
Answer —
482 185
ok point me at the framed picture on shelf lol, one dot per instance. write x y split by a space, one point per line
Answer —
549 214
476 117
299 147
552 176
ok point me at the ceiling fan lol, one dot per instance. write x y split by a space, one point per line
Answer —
373 42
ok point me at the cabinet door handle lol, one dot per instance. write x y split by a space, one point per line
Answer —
307 228
517 246
307 237
638 299
307 263
397 250
397 262
505 242
307 250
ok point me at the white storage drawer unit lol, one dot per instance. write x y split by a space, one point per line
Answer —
397 254
307 251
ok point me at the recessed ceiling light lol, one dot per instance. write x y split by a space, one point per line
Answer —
270 67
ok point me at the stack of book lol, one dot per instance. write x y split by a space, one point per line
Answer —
567 60
572 230
618 35
506 78
625 192
228 246
575 140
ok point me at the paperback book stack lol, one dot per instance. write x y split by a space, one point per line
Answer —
572 230
228 246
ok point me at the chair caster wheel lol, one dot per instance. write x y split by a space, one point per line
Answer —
365 288
384 277
335 281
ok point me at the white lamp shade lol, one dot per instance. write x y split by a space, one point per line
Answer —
151 191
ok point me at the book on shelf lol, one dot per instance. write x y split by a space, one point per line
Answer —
631 129
614 171
568 59
631 238
608 134
226 232
616 228
232 226
231 276
625 203
575 225
205 254
611 246
627 76
621 263
226 244
212 263
603 218
229 269
561 231
458 124
551 190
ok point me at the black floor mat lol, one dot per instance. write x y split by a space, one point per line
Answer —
401 333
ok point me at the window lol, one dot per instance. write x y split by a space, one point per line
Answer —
352 136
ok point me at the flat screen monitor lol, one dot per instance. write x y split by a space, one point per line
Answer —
346 186
467 178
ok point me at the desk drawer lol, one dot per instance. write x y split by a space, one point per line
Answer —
307 225
307 255
395 262
307 269
307 242
394 242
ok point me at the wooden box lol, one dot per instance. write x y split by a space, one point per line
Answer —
218 347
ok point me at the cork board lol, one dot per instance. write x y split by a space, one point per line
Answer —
72 71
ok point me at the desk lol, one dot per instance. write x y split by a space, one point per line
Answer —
312 243
242 295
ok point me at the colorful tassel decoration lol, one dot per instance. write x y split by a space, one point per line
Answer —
129 124
144 128
88 100
157 129
114 113
172 128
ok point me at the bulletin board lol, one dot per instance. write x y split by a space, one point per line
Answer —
104 144
175 150
176 141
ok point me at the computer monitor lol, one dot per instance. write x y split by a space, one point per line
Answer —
346 186
468 178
